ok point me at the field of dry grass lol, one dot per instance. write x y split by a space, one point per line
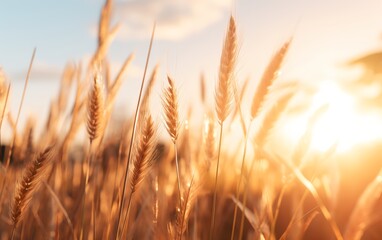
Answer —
125 181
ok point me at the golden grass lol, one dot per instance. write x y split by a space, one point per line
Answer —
124 185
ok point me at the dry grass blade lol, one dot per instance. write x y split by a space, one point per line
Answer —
267 79
103 28
95 109
188 200
271 117
66 82
305 140
75 120
30 181
61 207
133 135
310 187
239 95
362 215
203 88
19 110
171 110
310 216
149 89
252 218
237 110
210 142
105 34
224 92
113 89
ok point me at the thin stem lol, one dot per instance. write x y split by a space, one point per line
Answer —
13 232
178 174
87 163
240 179
19 111
313 191
5 106
94 218
216 183
125 224
133 134
241 229
274 220
61 207
245 195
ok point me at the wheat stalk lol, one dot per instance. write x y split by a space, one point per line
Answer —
133 134
94 127
142 161
29 184
188 200
261 93
270 119
224 91
224 96
171 116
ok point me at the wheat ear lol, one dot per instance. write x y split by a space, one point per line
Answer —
142 162
171 115
29 184
185 209
144 152
271 117
170 106
224 91
95 109
269 75
224 96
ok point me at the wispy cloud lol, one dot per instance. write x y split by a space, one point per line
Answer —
40 71
176 19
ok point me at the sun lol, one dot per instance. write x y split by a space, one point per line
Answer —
343 124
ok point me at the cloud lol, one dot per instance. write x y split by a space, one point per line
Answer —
176 19
40 71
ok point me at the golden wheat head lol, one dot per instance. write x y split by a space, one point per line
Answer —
170 106
95 109
269 75
29 184
144 153
224 92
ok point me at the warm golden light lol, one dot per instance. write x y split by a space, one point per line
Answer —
343 124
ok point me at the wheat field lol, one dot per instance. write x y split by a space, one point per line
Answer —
218 175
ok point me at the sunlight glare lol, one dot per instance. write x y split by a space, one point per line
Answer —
343 124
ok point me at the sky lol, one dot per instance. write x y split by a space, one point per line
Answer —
188 40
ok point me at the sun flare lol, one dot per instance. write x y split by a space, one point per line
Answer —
344 123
